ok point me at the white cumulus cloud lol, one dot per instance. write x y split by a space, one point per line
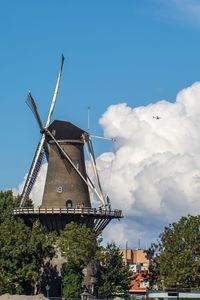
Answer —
154 173
38 188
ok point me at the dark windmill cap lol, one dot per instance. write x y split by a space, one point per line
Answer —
63 130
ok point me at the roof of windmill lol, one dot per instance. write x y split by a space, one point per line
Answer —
63 130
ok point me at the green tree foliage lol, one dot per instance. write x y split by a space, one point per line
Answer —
176 255
114 277
22 249
72 278
78 244
81 247
7 203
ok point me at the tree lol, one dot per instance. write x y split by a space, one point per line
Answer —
72 278
78 244
22 249
7 203
176 255
114 277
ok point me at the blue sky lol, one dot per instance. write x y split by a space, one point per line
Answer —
133 51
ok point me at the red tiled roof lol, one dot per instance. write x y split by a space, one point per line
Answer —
135 283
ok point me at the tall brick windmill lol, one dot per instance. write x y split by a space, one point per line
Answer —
66 195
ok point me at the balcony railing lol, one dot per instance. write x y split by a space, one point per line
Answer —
85 210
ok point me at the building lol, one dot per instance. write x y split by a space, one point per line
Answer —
138 262
136 259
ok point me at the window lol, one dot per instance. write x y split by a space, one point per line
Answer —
69 203
59 189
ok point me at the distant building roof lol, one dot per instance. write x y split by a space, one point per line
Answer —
135 256
139 284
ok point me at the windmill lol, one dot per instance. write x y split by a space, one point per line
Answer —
66 195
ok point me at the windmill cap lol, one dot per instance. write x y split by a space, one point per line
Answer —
63 130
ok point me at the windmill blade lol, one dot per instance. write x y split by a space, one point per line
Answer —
32 105
94 167
39 154
33 172
102 138
55 93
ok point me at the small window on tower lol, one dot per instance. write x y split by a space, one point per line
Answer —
54 132
59 189
69 203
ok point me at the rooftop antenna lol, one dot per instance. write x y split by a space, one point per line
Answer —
126 247
139 244
88 118
88 127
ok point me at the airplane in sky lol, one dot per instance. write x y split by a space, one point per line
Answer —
157 117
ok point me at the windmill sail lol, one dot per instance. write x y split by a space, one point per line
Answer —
32 175
42 146
55 93
32 105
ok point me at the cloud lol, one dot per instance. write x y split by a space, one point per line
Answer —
189 7
182 11
153 174
38 188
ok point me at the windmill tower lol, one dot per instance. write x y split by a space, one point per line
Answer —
66 195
